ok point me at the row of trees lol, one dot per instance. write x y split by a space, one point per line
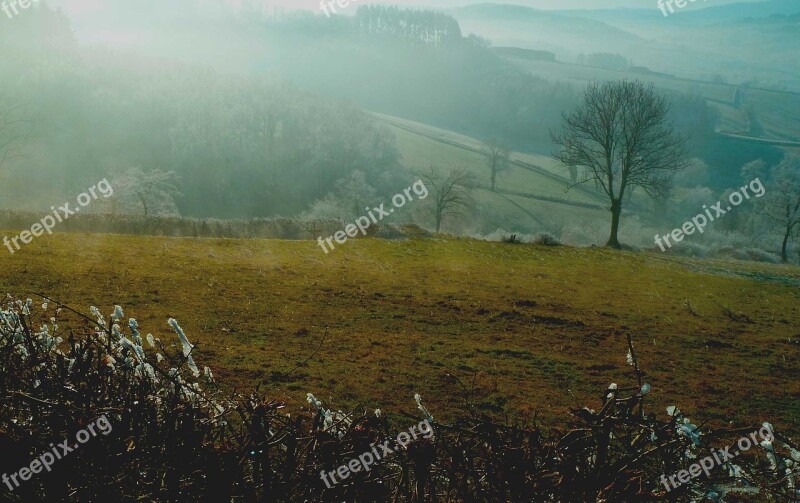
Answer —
417 27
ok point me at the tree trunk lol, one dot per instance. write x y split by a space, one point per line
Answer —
616 210
784 257
144 203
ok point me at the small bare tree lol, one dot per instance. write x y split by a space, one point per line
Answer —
621 138
782 204
11 130
498 158
451 193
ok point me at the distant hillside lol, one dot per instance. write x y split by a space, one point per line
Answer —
539 29
622 17
531 54
753 43
732 12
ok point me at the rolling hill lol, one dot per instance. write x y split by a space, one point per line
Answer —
740 42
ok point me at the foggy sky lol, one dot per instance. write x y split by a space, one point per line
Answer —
78 6
539 4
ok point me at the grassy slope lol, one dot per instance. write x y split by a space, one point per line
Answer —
422 146
421 149
531 322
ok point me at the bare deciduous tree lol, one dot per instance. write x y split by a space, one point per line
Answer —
621 138
11 131
782 204
451 193
497 157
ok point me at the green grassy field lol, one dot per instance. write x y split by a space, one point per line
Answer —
423 146
534 329
550 206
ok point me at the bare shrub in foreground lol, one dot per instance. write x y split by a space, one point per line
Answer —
177 437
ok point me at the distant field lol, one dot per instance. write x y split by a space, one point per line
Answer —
530 326
777 112
540 177
585 74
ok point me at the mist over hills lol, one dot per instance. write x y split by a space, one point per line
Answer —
533 28
728 12
436 74
701 12
713 31
741 42
568 238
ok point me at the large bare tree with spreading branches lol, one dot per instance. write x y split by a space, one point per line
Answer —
620 137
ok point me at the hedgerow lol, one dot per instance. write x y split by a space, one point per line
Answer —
179 436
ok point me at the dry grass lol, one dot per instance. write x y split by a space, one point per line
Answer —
529 325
